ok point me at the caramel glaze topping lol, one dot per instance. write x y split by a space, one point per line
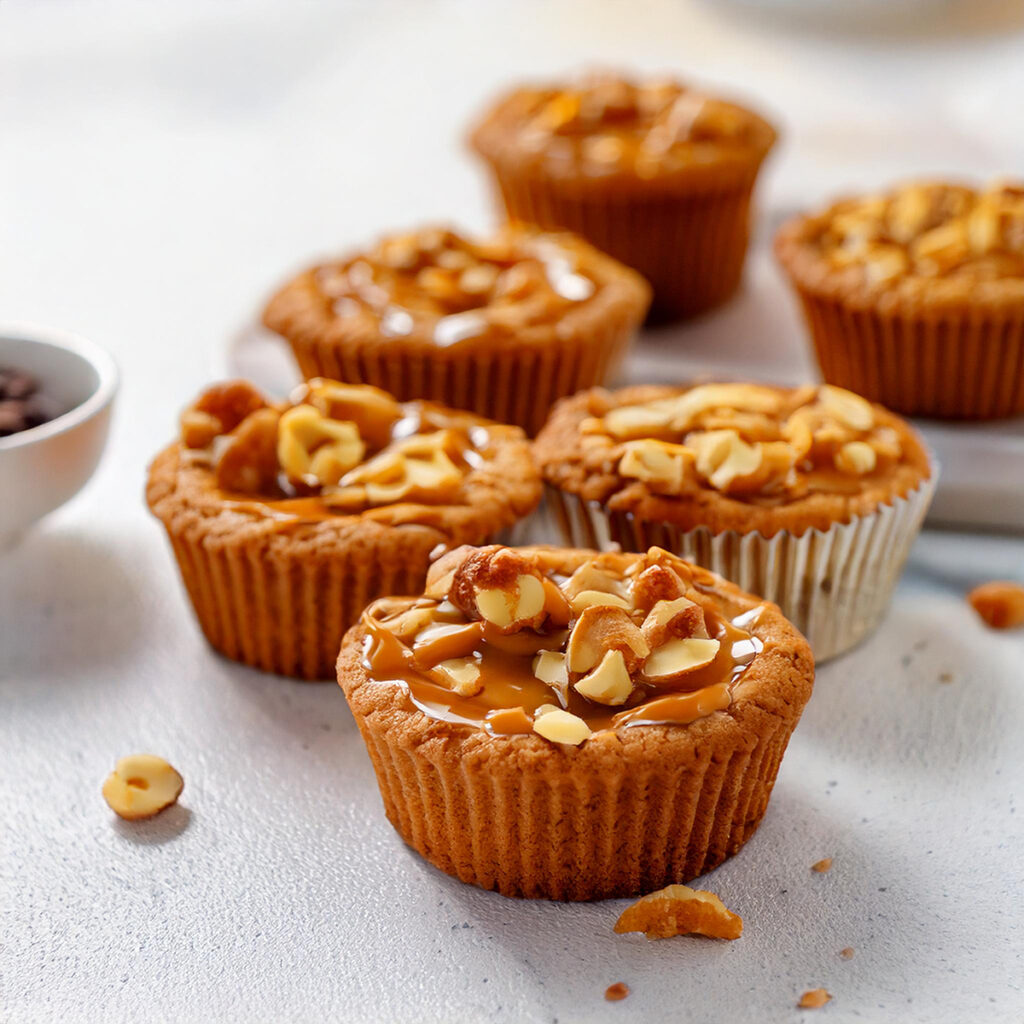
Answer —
504 638
437 284
928 230
755 443
604 124
333 449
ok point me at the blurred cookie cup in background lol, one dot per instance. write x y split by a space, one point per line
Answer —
287 519
655 173
810 497
503 327
570 725
915 297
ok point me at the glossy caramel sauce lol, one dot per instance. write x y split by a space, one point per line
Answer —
511 693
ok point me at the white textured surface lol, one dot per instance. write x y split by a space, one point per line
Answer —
162 165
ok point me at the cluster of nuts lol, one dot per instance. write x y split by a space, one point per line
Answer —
929 230
436 273
612 121
604 632
743 439
320 444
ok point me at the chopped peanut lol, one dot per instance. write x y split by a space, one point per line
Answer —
1000 604
142 785
680 910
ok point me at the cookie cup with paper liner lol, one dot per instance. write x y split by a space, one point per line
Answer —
654 173
286 519
809 497
502 327
915 298
569 725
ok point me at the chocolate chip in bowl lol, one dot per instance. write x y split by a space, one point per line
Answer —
56 391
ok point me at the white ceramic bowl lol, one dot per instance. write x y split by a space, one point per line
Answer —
43 467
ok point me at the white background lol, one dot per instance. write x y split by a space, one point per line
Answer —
162 166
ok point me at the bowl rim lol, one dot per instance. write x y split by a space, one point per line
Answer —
99 359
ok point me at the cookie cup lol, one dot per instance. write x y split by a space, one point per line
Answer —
276 590
629 811
952 350
510 373
688 236
829 561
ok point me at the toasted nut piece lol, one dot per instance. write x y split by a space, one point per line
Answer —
662 466
416 468
673 620
549 668
478 279
410 622
983 234
677 657
461 675
141 785
314 449
443 641
823 865
441 573
602 628
856 458
560 726
246 459
847 407
590 576
680 910
515 608
908 213
724 458
615 993
656 583
846 953
500 586
1000 604
509 721
218 410
609 683
556 608
590 598
639 421
814 999
373 411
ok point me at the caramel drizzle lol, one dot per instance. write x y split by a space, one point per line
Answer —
511 693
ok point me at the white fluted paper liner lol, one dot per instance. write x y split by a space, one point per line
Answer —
833 585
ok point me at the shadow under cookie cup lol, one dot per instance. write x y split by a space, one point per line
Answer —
629 811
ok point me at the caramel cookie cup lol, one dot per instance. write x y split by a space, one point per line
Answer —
287 519
654 173
503 327
810 497
915 298
570 725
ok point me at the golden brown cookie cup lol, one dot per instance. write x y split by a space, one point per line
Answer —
627 812
277 591
689 240
510 377
952 357
830 562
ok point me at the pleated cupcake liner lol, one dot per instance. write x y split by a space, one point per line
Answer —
560 833
286 614
834 585
691 246
954 365
513 383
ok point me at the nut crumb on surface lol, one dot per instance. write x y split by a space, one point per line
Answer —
945 677
680 910
814 999
823 865
999 603
142 785
613 993
847 953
